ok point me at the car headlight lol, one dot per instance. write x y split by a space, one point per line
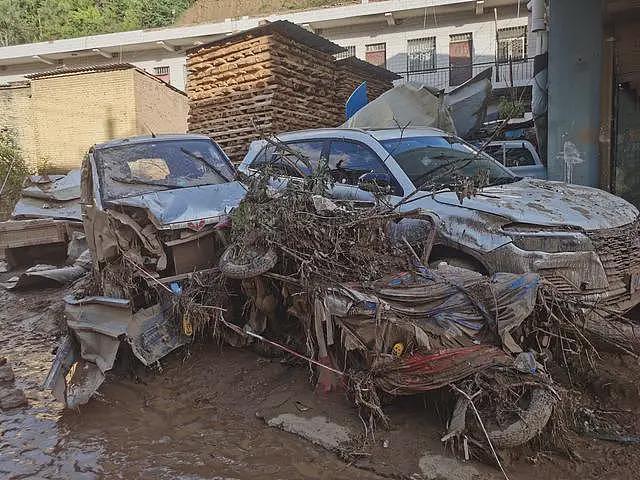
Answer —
547 239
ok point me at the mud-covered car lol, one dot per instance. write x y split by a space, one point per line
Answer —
159 201
583 240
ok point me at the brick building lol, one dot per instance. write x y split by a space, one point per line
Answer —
58 115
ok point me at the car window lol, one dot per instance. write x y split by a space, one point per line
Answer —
138 168
286 158
434 161
518 157
348 161
495 151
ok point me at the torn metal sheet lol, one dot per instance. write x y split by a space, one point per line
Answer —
50 197
153 333
44 275
468 103
98 326
60 190
28 207
404 105
176 209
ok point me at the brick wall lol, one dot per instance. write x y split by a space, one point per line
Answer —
159 109
15 115
72 112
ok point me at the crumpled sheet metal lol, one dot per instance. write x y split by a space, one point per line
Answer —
47 275
51 197
410 105
175 209
468 102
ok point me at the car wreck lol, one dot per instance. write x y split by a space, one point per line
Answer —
160 202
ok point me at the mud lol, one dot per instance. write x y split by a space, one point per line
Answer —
199 415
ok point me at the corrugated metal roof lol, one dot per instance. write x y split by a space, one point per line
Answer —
360 65
107 67
283 27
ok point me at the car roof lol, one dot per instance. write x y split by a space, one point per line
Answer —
377 133
148 139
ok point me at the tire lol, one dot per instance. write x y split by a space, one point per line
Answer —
531 423
251 266
533 420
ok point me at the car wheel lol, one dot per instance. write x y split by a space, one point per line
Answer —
247 264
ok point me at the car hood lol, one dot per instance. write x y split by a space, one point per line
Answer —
541 202
183 207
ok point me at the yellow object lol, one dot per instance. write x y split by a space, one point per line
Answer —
187 328
398 349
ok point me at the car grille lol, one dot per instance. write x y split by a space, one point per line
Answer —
619 252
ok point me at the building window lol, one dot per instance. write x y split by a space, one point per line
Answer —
376 53
350 52
162 73
421 54
512 43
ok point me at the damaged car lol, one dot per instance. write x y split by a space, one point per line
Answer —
583 240
161 202
155 211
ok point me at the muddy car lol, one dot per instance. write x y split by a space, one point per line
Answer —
583 240
160 202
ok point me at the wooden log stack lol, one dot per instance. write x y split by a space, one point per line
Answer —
274 78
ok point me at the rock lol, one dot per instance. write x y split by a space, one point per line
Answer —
6 374
439 467
12 398
4 266
317 430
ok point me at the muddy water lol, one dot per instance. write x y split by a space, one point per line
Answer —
195 419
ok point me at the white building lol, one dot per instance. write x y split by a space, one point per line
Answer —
440 42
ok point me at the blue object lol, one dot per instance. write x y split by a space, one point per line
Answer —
175 288
356 100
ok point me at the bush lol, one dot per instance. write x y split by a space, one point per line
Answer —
13 169
509 108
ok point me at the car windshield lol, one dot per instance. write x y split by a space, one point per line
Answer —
138 168
435 161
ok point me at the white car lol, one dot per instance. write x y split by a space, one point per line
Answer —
583 240
519 156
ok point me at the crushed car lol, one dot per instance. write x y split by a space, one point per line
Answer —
155 211
158 201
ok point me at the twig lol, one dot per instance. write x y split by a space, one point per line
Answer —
475 410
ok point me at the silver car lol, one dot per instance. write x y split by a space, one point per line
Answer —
583 240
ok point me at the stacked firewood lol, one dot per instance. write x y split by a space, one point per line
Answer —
264 82
352 72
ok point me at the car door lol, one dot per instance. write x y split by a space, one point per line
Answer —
348 161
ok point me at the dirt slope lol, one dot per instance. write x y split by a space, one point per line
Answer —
204 11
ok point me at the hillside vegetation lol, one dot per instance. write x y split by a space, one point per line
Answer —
26 21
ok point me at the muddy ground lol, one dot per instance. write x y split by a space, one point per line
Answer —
201 415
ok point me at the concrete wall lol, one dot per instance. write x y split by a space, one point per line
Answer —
15 115
72 112
575 70
158 109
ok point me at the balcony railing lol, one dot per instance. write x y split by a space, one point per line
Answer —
516 73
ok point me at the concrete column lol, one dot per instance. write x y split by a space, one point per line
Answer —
575 73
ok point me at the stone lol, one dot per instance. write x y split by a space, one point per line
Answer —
439 467
6 374
317 430
12 398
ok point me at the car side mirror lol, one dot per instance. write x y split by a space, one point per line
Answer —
374 182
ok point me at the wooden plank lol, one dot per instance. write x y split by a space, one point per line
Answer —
23 233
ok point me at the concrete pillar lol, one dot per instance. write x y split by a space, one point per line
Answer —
575 72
